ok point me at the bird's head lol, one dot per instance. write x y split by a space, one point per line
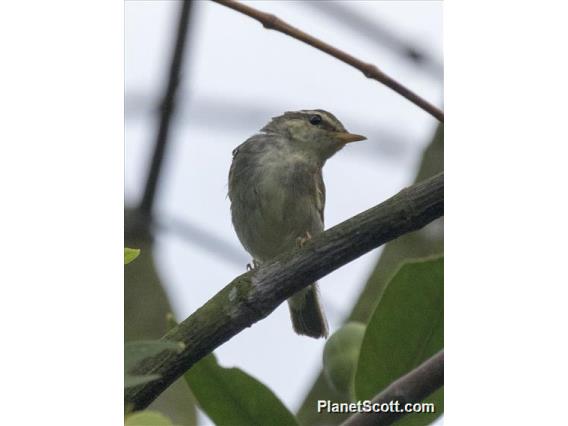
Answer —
313 133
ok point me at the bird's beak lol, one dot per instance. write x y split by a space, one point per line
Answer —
346 137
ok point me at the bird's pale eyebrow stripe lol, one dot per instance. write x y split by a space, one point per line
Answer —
328 118
329 121
301 115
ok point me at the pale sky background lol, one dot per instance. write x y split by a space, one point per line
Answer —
238 76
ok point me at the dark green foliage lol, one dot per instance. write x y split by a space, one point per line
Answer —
406 328
229 396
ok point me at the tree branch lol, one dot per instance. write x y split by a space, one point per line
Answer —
202 238
411 388
167 107
272 22
254 295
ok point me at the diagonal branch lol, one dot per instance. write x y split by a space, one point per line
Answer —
272 22
167 109
254 295
411 388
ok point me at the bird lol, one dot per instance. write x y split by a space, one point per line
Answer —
277 196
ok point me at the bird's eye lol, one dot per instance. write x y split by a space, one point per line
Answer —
315 119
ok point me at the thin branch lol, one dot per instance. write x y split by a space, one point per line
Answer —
238 114
167 107
203 239
272 22
411 388
252 296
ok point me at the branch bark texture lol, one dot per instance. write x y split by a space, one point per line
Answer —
411 388
254 295
371 71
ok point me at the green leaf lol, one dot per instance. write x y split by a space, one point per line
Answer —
340 356
130 254
229 396
135 352
406 328
147 418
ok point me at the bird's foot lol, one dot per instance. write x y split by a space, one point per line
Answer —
301 241
254 265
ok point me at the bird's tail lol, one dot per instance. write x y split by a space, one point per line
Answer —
307 314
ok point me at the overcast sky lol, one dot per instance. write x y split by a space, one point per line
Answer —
238 76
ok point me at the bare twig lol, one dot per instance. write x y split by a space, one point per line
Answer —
204 239
411 388
254 295
167 107
272 22
388 141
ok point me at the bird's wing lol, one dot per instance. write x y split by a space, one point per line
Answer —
320 195
252 144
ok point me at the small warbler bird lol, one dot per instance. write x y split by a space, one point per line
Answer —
278 196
